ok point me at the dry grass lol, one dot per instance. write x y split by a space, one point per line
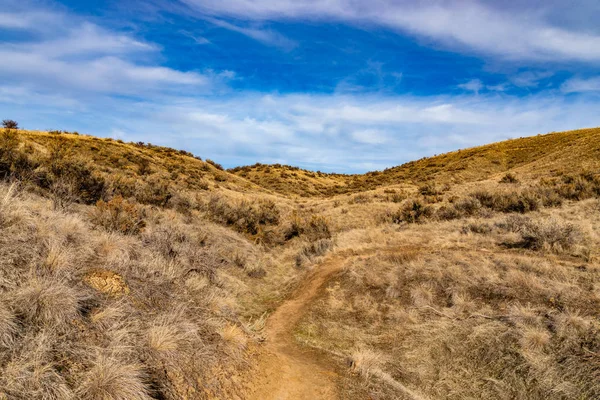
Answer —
467 316
132 271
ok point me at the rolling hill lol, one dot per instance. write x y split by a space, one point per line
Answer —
134 271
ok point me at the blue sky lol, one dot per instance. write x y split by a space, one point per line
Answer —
331 85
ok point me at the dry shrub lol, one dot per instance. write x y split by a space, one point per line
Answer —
63 193
119 215
514 223
10 124
111 379
312 250
551 235
521 202
314 228
466 207
215 164
9 209
47 303
365 362
153 191
509 178
361 198
477 227
235 338
578 187
414 211
32 373
244 216
431 189
11 159
85 182
396 197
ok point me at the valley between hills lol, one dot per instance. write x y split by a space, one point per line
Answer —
133 271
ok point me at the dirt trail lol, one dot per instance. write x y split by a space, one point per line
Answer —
286 369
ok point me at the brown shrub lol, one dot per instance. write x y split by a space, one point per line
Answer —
112 379
413 211
47 303
314 228
579 187
10 124
509 178
481 228
521 202
361 198
461 208
396 197
431 189
312 250
244 216
215 164
118 215
550 235
13 162
88 186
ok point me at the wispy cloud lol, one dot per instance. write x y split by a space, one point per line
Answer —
81 57
579 85
266 36
529 79
474 85
343 133
476 26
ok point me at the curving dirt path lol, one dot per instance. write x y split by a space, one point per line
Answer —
286 369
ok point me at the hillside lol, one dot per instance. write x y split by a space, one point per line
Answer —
553 153
131 271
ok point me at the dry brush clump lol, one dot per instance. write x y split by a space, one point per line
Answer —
118 215
412 211
492 325
113 313
549 234
245 216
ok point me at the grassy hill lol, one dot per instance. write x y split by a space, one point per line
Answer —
553 153
132 271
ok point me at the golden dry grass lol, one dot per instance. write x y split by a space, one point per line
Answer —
131 271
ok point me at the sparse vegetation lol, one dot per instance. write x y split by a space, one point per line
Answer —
10 124
118 215
135 271
509 178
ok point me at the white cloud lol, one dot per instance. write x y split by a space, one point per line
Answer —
578 85
83 58
474 85
266 36
342 133
516 34
529 78
30 20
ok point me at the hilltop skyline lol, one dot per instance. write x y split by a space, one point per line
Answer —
340 86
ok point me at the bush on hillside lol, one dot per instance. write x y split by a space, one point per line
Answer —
314 228
215 164
414 211
244 216
550 235
509 178
10 124
520 202
118 215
